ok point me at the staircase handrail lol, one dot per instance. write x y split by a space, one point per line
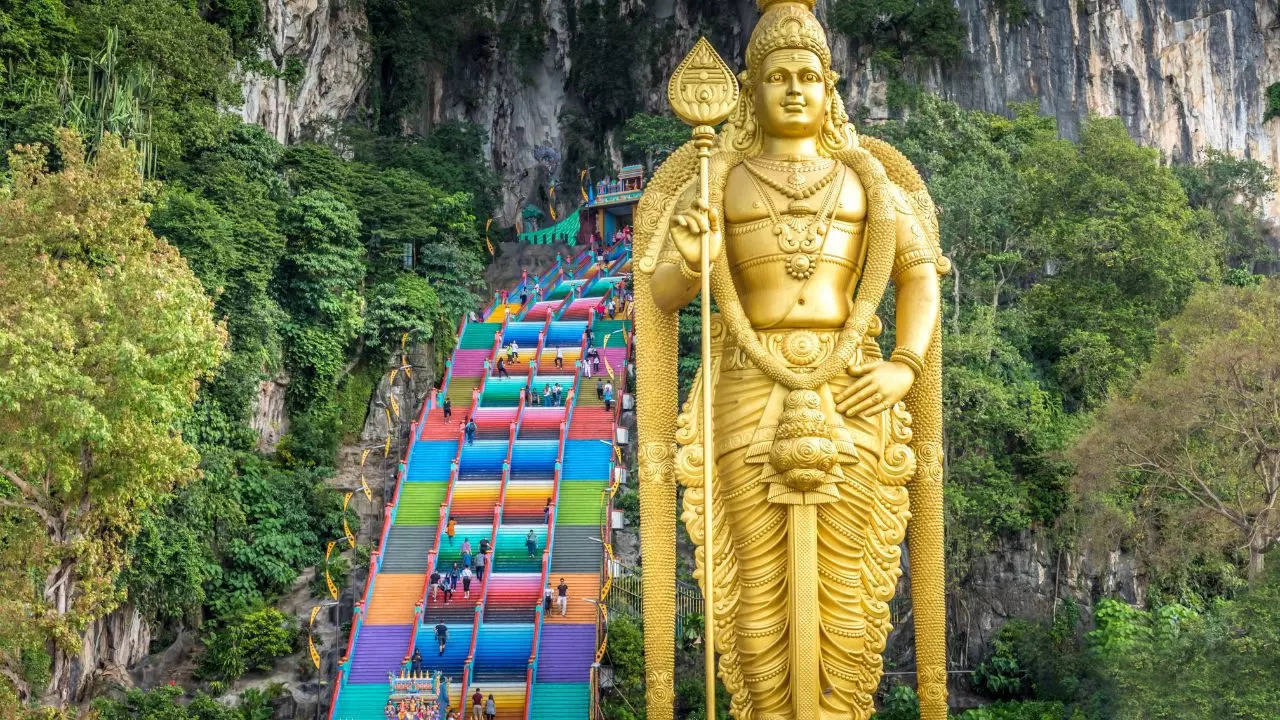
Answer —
532 672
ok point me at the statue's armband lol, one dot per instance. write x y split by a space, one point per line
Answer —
913 247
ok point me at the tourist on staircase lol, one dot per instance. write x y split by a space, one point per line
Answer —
466 553
466 582
480 562
442 635
490 708
560 357
599 390
501 370
434 585
447 583
531 543
562 597
477 704
416 663
546 599
546 513
450 529
608 397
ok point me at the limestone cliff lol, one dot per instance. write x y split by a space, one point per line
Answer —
1185 75
313 68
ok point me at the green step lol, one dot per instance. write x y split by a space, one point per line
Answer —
478 336
362 702
420 502
459 393
580 502
560 701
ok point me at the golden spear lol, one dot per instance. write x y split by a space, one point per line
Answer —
703 92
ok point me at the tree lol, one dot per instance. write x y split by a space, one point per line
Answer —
1192 452
1120 250
654 137
1234 191
105 334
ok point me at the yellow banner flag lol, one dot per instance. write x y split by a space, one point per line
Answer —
311 642
364 456
551 201
368 494
395 406
328 579
386 449
404 337
391 376
488 242
315 656
346 500
582 183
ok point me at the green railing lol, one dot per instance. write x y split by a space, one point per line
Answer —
565 231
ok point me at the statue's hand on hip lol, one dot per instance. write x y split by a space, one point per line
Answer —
687 228
880 385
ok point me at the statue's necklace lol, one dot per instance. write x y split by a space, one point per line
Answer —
795 189
801 232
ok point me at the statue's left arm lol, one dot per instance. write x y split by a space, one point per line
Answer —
915 280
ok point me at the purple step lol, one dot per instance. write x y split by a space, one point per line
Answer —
565 652
379 650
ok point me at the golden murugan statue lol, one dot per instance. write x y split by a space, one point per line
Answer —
822 449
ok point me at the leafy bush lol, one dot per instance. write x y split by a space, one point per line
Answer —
248 642
900 703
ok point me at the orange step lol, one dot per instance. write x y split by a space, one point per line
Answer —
394 598
580 611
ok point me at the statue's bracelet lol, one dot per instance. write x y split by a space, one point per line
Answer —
687 272
910 358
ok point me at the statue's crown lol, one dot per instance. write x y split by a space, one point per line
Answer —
786 24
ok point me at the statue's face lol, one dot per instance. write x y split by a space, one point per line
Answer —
791 97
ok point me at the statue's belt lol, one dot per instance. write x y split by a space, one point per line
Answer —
799 349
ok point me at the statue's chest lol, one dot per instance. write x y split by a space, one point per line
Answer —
785 236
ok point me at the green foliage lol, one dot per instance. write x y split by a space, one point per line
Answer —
33 34
171 703
625 654
1175 467
1033 659
1023 710
250 641
608 37
414 41
904 30
1124 249
242 19
405 304
654 137
1176 662
1273 102
105 335
900 703
1234 190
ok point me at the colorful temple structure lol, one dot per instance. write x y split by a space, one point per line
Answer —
608 208
537 665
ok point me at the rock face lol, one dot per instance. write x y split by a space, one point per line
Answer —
1184 75
269 419
320 53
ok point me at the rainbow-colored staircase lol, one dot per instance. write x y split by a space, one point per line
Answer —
536 665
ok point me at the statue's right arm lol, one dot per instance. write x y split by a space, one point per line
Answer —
676 279
673 287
